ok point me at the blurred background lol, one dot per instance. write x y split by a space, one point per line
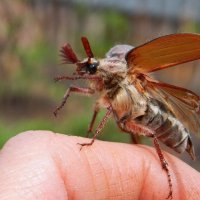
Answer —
31 34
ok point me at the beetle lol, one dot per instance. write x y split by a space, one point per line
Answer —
140 104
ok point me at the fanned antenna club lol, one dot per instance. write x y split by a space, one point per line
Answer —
68 55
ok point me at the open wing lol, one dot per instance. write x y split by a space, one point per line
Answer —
183 103
163 52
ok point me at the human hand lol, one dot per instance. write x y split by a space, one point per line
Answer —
44 165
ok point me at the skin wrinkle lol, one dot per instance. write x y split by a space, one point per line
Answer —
181 184
57 157
25 185
115 169
106 180
91 153
147 170
25 188
35 177
191 194
92 149
65 167
52 175
137 178
124 181
63 176
130 176
48 146
195 192
118 174
111 171
175 175
87 163
62 180
145 175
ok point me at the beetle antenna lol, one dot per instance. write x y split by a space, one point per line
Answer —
87 48
68 55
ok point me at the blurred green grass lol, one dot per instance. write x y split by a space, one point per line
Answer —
74 125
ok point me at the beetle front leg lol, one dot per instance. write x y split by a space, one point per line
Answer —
99 128
68 92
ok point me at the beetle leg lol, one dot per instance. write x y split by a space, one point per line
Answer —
73 78
135 139
67 94
121 124
99 128
132 128
164 165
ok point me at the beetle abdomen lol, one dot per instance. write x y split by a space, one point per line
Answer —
166 127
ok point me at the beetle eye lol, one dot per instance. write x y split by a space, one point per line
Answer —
92 68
